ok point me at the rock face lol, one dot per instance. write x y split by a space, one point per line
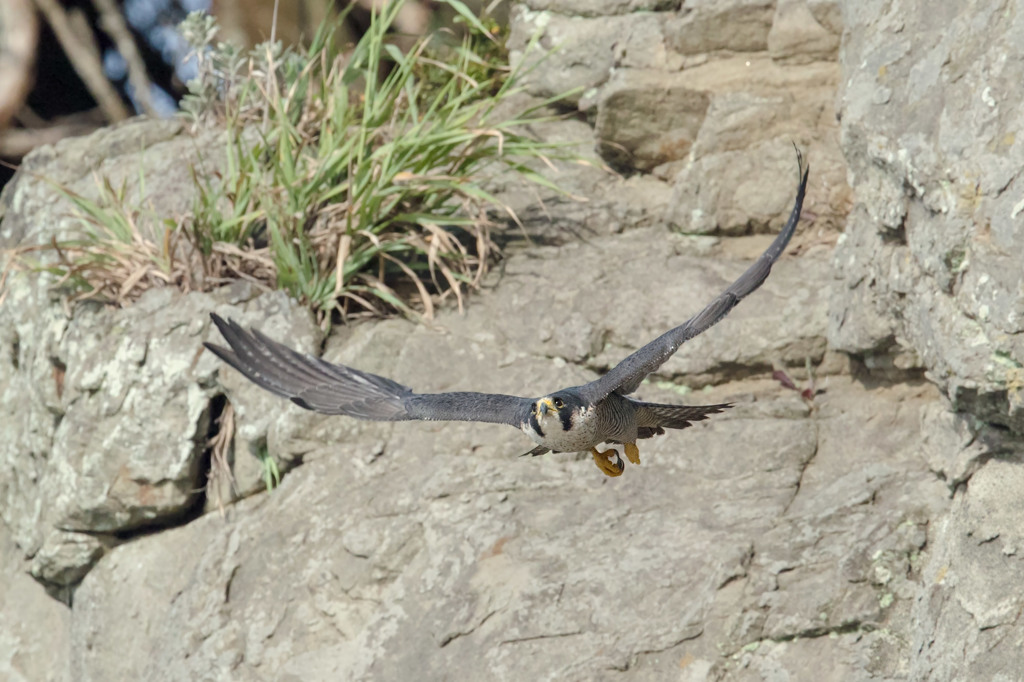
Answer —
930 262
872 532
701 94
106 413
930 278
439 557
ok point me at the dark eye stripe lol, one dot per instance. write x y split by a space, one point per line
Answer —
566 417
536 424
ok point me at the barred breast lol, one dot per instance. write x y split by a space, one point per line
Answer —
616 419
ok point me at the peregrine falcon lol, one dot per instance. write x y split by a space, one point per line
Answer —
575 419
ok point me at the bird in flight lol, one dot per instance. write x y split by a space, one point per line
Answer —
575 419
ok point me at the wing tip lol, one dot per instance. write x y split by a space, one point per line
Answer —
774 251
228 328
219 321
220 351
232 333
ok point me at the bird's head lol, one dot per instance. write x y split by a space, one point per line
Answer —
559 409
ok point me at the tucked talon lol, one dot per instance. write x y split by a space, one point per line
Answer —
606 464
633 453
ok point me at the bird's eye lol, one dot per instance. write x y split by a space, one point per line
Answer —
558 403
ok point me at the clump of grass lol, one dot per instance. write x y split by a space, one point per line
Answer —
121 250
351 179
354 181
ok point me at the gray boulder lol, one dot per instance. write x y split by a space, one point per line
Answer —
928 270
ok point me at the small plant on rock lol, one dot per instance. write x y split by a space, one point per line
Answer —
352 179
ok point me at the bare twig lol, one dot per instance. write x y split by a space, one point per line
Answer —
113 24
221 479
271 69
273 23
15 143
18 56
84 58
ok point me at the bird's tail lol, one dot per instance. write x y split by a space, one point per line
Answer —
657 415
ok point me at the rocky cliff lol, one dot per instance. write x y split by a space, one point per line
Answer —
872 531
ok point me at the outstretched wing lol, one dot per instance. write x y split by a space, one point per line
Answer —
626 377
320 386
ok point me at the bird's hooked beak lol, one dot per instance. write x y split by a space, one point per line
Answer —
544 405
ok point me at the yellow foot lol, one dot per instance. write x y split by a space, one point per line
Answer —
606 463
633 453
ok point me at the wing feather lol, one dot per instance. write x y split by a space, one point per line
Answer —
321 386
675 416
626 377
